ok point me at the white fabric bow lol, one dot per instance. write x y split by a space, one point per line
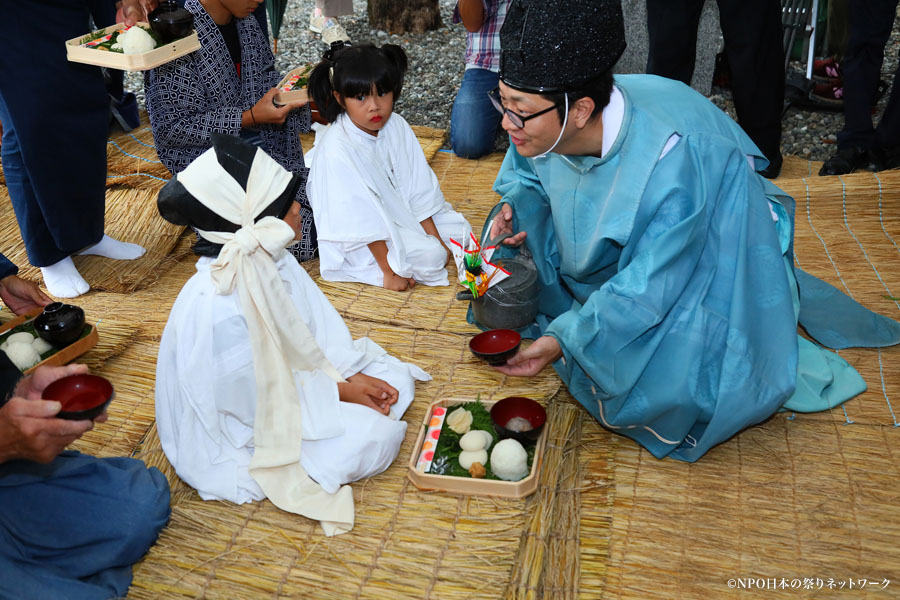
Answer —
280 338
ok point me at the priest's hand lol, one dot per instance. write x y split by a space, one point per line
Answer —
28 427
368 391
20 295
503 225
529 361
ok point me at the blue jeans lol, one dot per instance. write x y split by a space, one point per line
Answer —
474 120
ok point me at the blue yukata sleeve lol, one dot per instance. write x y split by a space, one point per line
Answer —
838 321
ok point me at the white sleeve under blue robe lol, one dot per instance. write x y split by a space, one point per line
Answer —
206 392
668 283
365 189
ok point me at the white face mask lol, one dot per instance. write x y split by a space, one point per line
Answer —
559 137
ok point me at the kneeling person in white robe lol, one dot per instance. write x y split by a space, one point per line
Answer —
381 218
255 367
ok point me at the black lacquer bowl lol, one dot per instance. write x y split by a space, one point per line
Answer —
170 21
60 324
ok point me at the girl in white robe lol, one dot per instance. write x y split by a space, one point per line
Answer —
212 368
381 218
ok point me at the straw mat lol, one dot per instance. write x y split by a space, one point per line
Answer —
132 160
131 216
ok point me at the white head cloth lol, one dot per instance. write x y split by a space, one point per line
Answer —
280 339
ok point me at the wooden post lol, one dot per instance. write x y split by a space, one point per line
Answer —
414 16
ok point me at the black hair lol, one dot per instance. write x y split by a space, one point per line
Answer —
597 89
352 71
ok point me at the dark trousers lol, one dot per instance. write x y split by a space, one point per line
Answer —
55 116
753 47
870 27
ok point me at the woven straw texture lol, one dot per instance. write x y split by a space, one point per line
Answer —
799 496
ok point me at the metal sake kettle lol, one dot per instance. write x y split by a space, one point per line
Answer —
513 302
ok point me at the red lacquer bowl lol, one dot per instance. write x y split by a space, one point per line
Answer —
495 346
82 396
518 406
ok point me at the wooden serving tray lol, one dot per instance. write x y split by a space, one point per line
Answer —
63 356
300 96
75 52
467 485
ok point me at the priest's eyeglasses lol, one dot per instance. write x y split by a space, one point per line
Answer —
515 118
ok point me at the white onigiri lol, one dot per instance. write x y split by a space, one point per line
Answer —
134 41
472 441
23 337
467 459
509 460
23 355
41 345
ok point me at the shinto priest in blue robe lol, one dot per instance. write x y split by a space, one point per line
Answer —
666 275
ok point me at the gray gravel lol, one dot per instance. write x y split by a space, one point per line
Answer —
436 67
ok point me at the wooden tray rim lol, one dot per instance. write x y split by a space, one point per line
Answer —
63 356
465 485
130 62
300 96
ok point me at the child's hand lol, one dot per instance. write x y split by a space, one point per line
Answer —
384 386
265 111
358 390
392 281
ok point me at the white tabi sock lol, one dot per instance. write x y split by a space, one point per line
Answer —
113 248
63 280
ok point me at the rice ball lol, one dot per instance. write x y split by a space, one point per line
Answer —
467 459
472 441
488 438
23 337
41 345
23 355
509 460
134 41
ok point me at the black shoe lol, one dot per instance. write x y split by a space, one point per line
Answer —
846 160
774 168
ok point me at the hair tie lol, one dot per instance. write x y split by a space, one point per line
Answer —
331 76
335 46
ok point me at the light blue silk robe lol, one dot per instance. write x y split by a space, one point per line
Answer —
670 286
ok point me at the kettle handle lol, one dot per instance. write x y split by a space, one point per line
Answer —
522 248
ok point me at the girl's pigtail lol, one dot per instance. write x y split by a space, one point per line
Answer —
397 57
320 89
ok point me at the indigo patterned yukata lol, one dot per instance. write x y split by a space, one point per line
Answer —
667 278
201 93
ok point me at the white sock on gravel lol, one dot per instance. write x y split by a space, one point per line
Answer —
113 248
63 280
